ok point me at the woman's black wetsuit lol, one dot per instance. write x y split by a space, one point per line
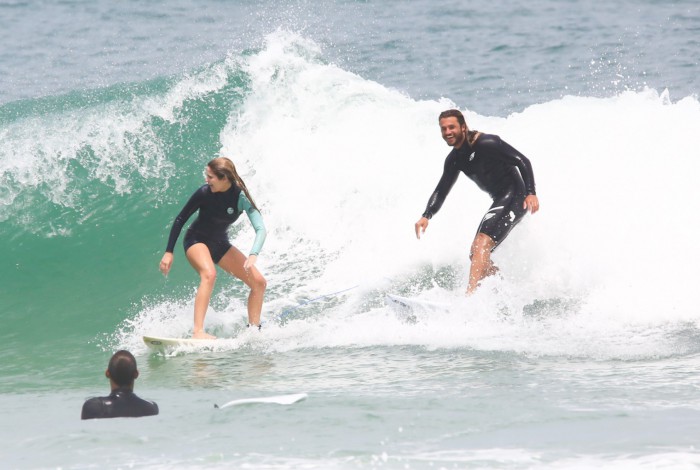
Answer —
497 168
217 211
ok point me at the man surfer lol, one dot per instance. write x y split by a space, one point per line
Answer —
122 402
497 168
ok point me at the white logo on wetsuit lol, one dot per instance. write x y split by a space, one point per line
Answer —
471 157
512 216
491 213
230 210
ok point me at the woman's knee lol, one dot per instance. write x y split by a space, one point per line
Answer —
256 281
208 274
259 283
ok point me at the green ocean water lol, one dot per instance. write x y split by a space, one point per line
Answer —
87 227
578 356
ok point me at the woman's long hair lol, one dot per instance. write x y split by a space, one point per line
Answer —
223 167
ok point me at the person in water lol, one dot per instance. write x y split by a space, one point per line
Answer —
220 202
122 402
497 168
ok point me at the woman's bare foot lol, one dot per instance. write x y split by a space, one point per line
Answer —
202 335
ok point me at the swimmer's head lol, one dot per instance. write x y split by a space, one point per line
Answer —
122 368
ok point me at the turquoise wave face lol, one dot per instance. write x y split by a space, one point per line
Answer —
73 154
341 167
89 184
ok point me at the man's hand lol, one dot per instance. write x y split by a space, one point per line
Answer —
421 225
531 203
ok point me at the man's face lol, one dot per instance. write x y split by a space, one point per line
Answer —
452 132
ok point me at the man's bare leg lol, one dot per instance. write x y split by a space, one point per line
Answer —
482 265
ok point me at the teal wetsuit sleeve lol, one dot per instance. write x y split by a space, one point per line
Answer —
255 220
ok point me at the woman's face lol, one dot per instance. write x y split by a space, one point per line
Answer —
216 184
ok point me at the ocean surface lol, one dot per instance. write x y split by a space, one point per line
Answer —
583 353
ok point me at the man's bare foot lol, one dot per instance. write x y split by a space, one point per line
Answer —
493 269
202 335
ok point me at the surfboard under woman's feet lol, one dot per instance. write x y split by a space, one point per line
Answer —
202 335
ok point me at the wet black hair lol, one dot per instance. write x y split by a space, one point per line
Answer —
122 368
454 113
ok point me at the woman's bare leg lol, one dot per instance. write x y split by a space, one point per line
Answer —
199 257
232 262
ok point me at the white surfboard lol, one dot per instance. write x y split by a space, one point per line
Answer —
277 400
407 307
161 343
411 303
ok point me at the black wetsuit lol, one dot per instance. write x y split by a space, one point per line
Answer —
497 168
217 211
121 403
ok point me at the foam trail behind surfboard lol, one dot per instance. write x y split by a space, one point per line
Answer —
278 400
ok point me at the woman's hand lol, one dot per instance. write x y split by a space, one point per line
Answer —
165 263
250 262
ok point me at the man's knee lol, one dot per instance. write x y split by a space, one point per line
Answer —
482 245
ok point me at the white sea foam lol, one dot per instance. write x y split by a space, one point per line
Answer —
343 168
56 157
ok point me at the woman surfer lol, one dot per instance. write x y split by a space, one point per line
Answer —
220 202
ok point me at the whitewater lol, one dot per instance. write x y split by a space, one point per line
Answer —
581 353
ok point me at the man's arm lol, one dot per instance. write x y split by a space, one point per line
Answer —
447 180
498 148
443 188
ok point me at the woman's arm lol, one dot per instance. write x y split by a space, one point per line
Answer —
190 208
182 218
256 221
